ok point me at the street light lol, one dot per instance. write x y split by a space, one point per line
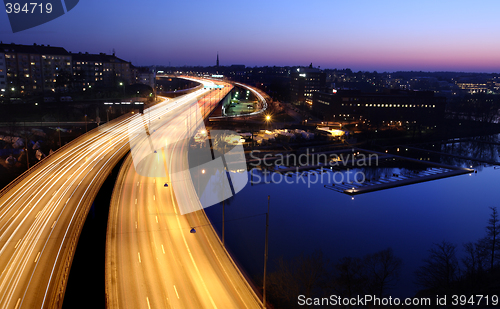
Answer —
266 251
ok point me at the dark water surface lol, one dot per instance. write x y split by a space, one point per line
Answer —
409 219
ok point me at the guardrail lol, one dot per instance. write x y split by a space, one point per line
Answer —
260 97
179 92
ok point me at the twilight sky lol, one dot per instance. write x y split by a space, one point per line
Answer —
362 35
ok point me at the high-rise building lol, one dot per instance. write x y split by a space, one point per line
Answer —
392 105
144 75
304 83
100 70
36 68
3 73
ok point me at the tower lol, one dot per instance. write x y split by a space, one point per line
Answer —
217 60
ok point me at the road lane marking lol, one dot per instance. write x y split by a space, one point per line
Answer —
176 292
53 224
17 244
162 249
138 254
147 299
38 214
187 247
37 256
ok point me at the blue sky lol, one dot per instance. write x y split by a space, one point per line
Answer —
361 35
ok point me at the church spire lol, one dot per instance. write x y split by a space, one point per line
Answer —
217 60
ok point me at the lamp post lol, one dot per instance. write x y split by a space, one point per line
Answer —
223 223
266 252
26 140
59 130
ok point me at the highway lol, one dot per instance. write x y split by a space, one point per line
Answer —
42 214
152 259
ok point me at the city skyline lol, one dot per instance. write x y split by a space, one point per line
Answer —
384 37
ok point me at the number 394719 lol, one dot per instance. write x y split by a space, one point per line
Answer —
28 8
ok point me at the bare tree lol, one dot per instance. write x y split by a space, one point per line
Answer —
491 243
301 276
382 271
440 269
475 259
349 277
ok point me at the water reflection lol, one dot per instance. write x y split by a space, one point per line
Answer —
474 151
409 219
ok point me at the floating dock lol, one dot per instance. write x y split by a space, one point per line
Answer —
434 171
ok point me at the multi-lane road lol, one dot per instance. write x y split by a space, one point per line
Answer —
152 258
41 216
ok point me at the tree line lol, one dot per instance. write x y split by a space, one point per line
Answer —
443 272
314 275
476 271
